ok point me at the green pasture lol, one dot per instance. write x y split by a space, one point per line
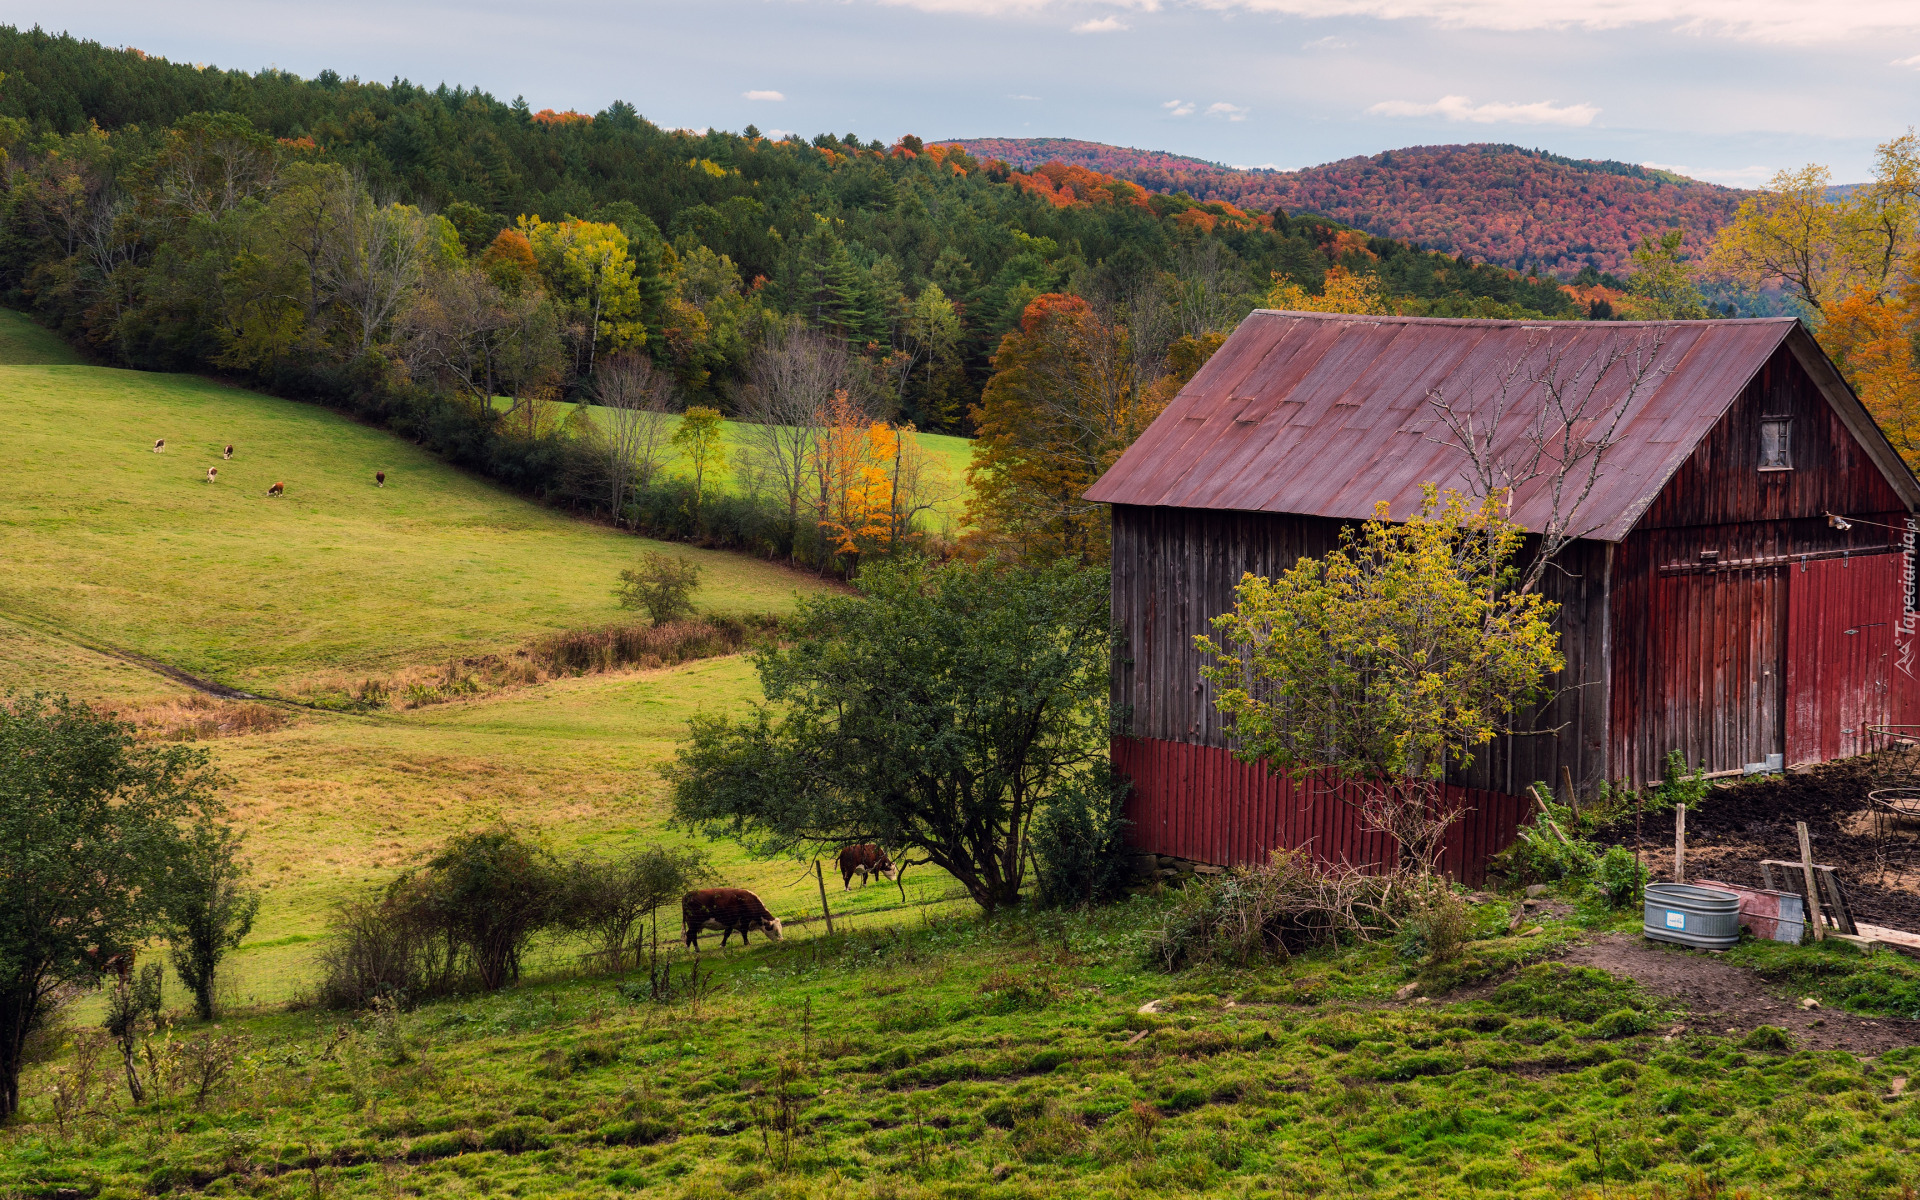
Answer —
110 543
947 456
340 804
1014 1059
118 558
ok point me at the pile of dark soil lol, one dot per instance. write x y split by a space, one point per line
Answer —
1742 822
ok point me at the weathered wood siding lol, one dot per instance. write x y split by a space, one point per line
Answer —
1700 650
1175 569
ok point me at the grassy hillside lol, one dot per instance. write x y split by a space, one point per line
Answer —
121 561
114 544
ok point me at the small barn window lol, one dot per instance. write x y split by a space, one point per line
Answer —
1776 444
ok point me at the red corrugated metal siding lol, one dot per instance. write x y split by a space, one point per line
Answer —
1844 668
1201 803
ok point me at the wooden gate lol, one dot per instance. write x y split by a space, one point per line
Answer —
1850 656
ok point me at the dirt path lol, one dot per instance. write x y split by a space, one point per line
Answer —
1725 999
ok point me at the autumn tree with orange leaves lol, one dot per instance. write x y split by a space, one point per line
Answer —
1855 262
1072 387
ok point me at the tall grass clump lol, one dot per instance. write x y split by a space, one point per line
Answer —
1288 904
588 651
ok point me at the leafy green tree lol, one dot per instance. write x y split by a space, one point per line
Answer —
1387 661
209 907
88 828
490 891
940 711
1661 287
700 441
661 586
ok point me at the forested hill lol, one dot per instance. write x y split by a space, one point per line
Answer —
1493 203
1124 162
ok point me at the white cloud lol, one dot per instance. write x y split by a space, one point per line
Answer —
1179 108
1232 112
764 95
777 135
1102 25
1328 43
1913 62
1259 167
1794 21
1460 108
1731 176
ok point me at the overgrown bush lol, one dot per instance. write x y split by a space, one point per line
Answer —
1438 925
661 586
1079 842
604 900
467 914
1288 904
492 890
1619 876
581 652
465 917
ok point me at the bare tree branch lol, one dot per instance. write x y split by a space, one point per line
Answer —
1538 429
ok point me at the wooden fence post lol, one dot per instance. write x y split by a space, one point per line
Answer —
1679 843
1813 889
820 878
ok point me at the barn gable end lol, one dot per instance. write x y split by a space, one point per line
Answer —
1303 421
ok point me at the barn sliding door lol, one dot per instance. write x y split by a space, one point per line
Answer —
1845 670
1714 659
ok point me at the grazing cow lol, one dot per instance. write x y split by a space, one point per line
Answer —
730 910
379 479
111 960
159 444
868 859
227 453
276 489
212 473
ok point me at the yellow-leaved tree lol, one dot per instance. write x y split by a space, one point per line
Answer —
1343 292
588 269
1854 262
1388 661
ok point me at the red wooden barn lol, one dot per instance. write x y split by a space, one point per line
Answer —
1716 606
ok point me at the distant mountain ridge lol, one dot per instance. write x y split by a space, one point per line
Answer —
1494 203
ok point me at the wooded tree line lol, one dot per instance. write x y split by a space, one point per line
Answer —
453 265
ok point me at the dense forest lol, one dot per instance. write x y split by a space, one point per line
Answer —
452 264
1503 204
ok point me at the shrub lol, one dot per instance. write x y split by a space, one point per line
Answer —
470 910
1079 842
1439 926
1288 904
491 891
1619 876
603 900
661 586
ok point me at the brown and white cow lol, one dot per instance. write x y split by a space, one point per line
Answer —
730 910
277 489
868 859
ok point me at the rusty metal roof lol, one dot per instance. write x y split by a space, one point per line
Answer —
1326 414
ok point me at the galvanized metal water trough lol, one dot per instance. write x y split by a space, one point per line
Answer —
1703 918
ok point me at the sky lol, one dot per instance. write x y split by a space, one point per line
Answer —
1723 90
